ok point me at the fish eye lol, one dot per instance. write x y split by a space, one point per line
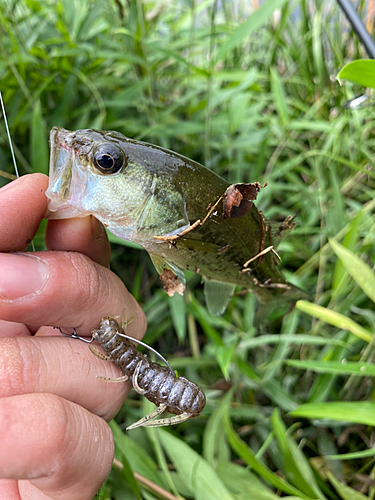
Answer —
108 158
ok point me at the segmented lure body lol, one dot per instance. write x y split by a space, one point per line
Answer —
157 383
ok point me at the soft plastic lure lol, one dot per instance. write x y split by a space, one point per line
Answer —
157 383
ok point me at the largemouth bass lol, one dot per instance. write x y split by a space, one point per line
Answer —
183 214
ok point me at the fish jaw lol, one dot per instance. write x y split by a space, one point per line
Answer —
67 177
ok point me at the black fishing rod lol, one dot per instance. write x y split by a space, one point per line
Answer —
359 28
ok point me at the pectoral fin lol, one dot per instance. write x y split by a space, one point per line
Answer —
173 277
217 295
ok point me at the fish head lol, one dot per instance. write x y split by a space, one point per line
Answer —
123 183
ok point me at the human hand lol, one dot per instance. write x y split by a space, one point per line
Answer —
54 439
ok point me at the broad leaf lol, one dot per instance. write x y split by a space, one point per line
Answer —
361 72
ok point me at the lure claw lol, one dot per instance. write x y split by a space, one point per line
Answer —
147 422
144 420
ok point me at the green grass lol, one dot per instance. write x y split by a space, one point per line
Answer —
254 103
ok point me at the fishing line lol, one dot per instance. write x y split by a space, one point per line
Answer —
11 146
8 134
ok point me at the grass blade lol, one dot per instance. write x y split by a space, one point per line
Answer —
352 456
39 141
345 492
358 270
335 367
177 305
130 479
194 470
323 383
334 318
340 274
253 22
215 446
295 464
137 457
239 480
362 412
289 339
248 456
279 96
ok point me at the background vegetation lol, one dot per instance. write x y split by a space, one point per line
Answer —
250 92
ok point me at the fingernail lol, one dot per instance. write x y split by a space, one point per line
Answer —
22 275
97 228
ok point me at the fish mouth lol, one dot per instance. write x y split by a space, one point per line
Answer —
60 175
60 171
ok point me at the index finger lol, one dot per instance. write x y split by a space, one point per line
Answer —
23 205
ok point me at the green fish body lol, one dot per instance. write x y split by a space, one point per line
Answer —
183 214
